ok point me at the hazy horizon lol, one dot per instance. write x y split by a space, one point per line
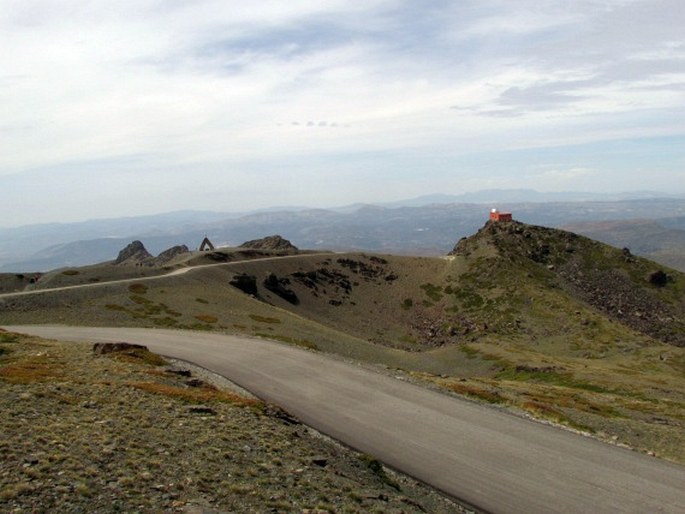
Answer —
489 198
137 108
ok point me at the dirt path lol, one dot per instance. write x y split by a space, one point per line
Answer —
488 458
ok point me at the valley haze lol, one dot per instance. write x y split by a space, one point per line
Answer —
426 225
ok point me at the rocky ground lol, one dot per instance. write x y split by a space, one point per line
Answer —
128 432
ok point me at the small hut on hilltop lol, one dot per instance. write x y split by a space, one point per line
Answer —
495 215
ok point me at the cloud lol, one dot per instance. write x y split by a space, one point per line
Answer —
228 85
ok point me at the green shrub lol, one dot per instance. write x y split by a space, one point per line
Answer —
432 291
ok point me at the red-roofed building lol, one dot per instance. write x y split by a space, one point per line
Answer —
495 215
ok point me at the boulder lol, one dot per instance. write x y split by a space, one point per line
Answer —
104 348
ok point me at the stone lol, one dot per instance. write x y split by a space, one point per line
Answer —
105 348
202 409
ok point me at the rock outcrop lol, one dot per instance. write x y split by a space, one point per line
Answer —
134 254
170 254
274 242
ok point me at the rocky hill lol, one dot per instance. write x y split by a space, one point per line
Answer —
274 242
634 291
135 254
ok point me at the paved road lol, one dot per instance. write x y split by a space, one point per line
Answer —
489 459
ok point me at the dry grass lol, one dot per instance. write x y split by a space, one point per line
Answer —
196 395
138 288
139 356
28 372
478 393
206 318
264 319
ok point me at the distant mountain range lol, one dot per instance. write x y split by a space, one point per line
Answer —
426 225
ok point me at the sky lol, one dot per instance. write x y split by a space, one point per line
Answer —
132 107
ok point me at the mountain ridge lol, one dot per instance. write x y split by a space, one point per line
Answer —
427 230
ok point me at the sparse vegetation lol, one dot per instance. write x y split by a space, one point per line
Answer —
112 435
432 291
138 288
471 391
264 319
206 318
289 340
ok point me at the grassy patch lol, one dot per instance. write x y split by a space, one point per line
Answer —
29 371
471 353
206 318
196 394
468 298
70 272
545 411
7 337
139 356
377 469
407 304
476 392
290 340
138 288
166 321
550 377
140 300
264 319
432 291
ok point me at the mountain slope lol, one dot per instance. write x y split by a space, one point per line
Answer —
631 290
659 240
539 320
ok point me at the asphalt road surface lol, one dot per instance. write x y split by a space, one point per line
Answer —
492 460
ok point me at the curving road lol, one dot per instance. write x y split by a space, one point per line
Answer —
489 459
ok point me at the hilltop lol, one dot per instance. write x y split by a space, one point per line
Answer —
631 290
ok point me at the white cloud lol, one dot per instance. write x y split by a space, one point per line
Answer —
219 85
